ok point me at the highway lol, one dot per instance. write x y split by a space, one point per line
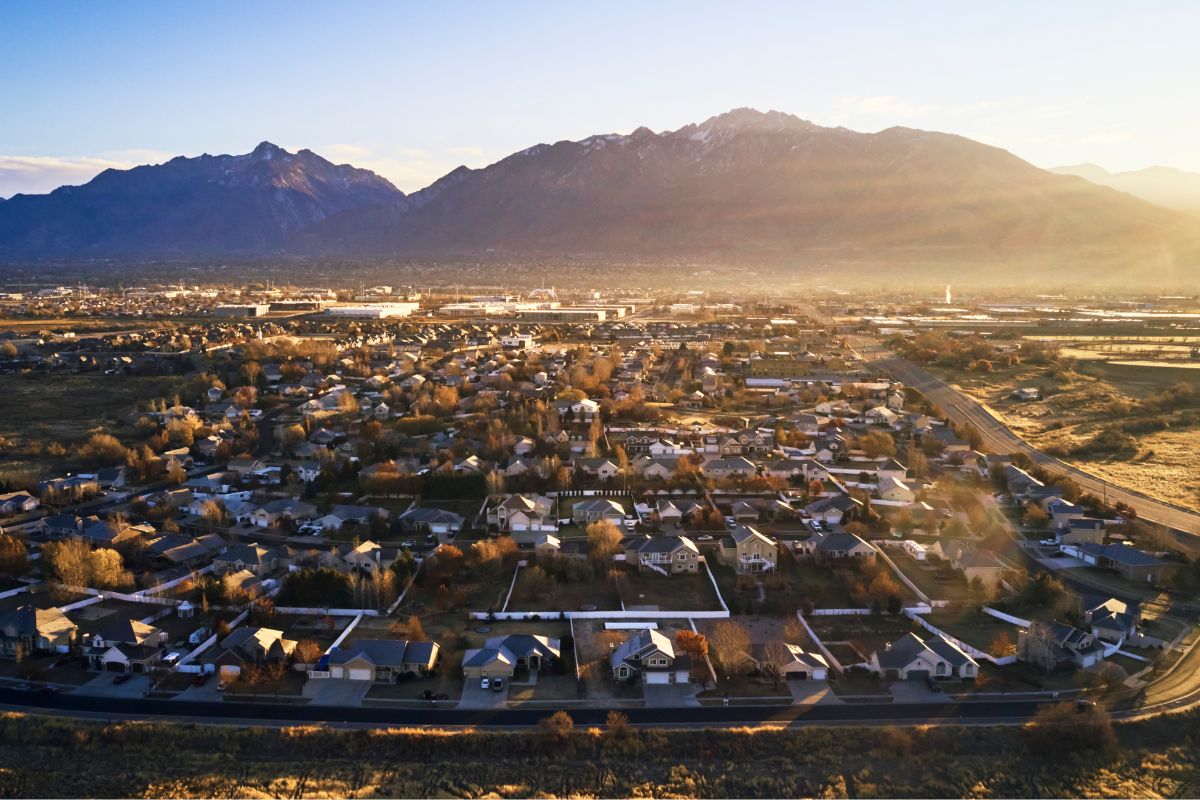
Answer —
998 438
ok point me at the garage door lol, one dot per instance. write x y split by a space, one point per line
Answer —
362 674
114 666
656 677
918 675
798 675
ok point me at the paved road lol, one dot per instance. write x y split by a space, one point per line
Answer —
989 712
997 438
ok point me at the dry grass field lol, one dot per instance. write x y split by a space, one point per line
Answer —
64 409
62 758
1094 395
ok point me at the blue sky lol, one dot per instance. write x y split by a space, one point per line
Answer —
412 90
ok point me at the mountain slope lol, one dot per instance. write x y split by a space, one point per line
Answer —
1164 186
251 203
755 185
744 186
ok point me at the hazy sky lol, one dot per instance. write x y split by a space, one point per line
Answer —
412 90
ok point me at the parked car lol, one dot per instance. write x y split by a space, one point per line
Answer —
48 690
1084 705
408 544
485 684
222 686
122 678
498 685
1048 542
201 679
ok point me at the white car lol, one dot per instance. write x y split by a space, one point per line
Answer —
485 683
1048 542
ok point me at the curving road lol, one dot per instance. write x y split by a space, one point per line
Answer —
998 438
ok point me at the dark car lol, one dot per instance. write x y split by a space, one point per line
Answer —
124 676
47 690
1084 705
201 679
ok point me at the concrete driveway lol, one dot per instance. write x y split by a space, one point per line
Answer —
474 697
669 695
208 693
916 692
102 686
808 693
336 692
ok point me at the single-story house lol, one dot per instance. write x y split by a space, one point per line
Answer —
383 660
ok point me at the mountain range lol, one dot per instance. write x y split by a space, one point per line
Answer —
1164 186
741 186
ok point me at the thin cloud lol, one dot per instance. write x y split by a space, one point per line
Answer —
41 174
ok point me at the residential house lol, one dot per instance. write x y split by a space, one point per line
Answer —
722 468
383 660
276 511
746 549
17 503
836 547
596 509
974 562
649 655
126 645
1113 620
501 656
796 664
1050 645
255 558
1132 564
28 630
665 555
340 515
912 657
252 645
520 512
836 510
439 522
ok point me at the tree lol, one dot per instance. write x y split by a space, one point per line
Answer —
1059 730
176 474
556 727
14 560
604 541
8 351
414 630
695 645
730 646
617 724
103 450
308 651
775 657
68 562
977 592
1001 646
447 562
878 443
108 570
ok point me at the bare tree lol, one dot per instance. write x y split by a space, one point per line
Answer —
730 646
